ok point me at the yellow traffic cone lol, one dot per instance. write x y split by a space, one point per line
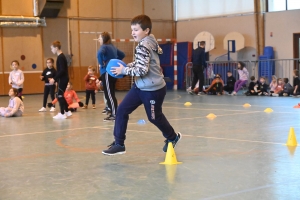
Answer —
170 156
187 103
292 141
211 116
246 105
268 110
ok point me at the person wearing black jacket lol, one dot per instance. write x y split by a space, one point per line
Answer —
252 89
62 79
263 87
47 74
229 87
199 64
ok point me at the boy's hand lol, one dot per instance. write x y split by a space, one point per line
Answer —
117 70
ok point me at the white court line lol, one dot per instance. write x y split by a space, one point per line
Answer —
32 133
228 104
217 138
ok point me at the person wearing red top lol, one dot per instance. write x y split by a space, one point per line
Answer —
90 86
69 95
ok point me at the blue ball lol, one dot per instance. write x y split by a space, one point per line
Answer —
114 63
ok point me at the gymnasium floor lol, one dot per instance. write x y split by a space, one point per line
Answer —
240 154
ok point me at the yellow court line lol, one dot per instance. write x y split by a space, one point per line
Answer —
32 133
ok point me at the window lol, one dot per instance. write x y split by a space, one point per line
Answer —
191 9
279 5
276 5
293 4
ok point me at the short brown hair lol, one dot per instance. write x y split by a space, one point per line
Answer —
51 59
144 21
92 68
57 44
286 80
106 38
252 78
15 61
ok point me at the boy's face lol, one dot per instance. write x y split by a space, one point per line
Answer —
14 65
53 49
262 80
229 74
138 33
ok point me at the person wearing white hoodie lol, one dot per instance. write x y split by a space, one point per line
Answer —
16 78
149 87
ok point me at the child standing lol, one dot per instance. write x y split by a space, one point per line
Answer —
15 106
16 78
243 77
149 87
62 79
48 73
229 87
69 95
90 87
287 88
107 52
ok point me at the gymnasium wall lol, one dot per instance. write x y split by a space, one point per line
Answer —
219 27
282 25
76 16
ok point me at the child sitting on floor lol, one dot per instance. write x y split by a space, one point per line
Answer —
279 89
69 95
252 89
216 87
273 84
229 87
287 88
15 106
262 88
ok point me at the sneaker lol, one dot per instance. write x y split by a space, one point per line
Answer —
52 109
110 118
85 107
43 109
94 107
114 149
105 110
191 92
68 114
60 116
174 142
